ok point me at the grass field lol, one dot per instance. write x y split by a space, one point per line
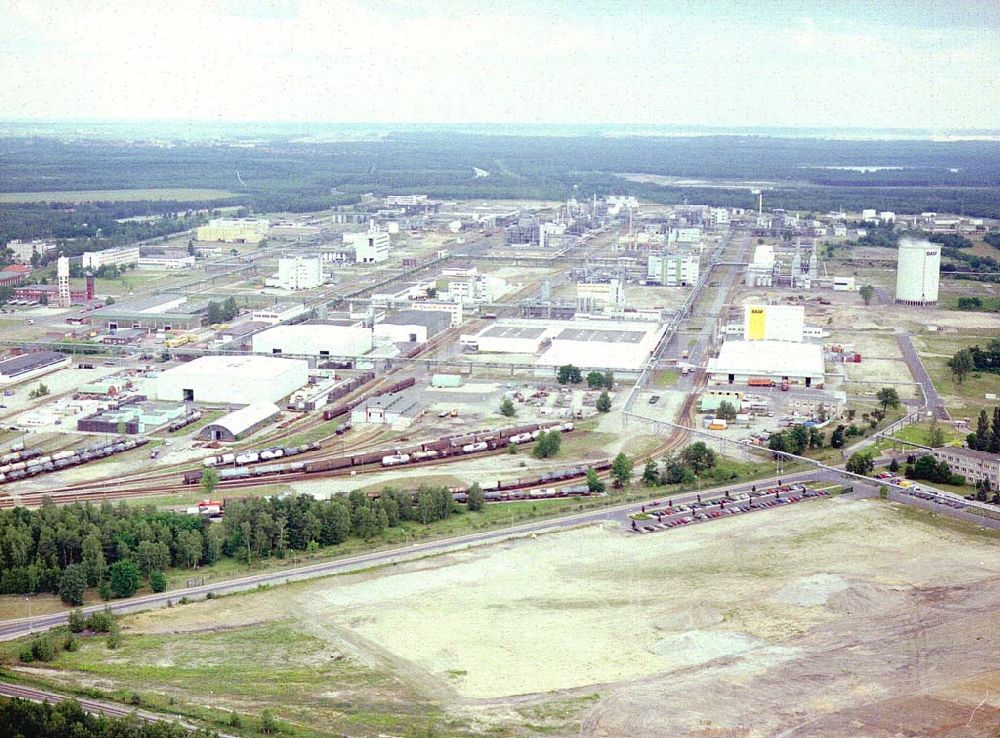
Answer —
75 196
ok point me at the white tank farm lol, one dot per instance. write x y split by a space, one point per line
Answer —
918 272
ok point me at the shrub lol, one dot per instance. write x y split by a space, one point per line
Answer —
77 621
158 581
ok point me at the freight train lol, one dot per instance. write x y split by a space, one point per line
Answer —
345 407
441 448
31 462
250 456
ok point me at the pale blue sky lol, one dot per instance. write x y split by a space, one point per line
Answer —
844 64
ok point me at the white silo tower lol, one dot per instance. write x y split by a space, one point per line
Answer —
918 271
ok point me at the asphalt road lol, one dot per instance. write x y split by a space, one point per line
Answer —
916 367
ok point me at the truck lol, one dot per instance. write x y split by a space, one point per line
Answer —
760 382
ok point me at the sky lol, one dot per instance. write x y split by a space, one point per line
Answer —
885 64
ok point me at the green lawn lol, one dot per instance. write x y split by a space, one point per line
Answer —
963 399
666 378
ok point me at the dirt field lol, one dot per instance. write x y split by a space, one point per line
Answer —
834 618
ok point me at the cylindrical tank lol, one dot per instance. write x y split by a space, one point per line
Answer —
918 272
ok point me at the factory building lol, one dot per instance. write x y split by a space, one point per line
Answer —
166 262
28 366
918 271
24 250
773 322
279 313
673 270
760 271
111 257
241 423
314 339
508 338
131 418
235 380
297 273
163 313
619 345
49 293
452 309
550 234
971 464
234 230
413 326
600 297
398 411
756 362
13 275
467 285
371 246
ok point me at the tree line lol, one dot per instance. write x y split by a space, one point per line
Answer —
67 719
67 549
975 359
986 437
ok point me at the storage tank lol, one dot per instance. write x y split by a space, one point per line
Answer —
918 272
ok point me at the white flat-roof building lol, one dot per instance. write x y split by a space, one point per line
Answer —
278 313
502 338
313 339
469 286
673 270
413 326
779 361
297 273
111 257
23 250
236 380
166 263
234 230
371 246
619 345
773 322
599 297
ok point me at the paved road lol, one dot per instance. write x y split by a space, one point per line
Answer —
95 707
916 367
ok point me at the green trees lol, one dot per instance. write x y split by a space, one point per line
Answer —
209 481
158 581
548 445
124 578
894 465
935 434
927 467
609 380
699 457
477 498
621 470
603 403
726 410
860 463
568 374
650 475
887 397
73 584
961 364
594 484
40 391
507 408
867 292
67 718
837 437
595 380
981 440
220 312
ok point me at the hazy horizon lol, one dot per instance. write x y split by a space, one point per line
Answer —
901 65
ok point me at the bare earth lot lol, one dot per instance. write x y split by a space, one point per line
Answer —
832 618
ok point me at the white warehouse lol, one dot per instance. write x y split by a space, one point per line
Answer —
751 362
773 322
413 326
314 339
234 380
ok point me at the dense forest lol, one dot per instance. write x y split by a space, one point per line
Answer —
66 549
804 174
66 719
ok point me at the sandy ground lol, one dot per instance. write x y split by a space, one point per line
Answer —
834 618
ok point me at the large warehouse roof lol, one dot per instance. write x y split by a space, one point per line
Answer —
768 358
236 368
29 362
603 336
513 331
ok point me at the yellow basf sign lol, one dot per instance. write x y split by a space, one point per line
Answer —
755 330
